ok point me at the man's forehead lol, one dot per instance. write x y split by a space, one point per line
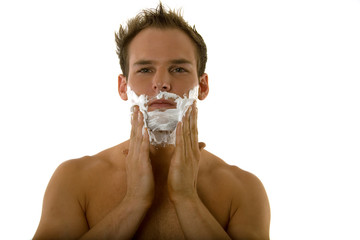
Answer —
165 45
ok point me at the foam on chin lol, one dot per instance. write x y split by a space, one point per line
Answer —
161 125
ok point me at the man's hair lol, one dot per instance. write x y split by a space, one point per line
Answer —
158 18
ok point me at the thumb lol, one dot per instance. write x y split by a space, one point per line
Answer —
202 145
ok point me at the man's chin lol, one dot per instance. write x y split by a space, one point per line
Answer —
162 138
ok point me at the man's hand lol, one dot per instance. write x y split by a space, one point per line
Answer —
184 164
124 220
140 179
195 219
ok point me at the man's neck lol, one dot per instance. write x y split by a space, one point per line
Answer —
160 157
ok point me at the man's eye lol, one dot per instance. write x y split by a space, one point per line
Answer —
179 69
144 70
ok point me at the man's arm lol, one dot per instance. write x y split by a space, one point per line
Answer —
123 221
64 204
195 219
62 214
250 217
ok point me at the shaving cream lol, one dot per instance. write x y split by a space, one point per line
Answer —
161 124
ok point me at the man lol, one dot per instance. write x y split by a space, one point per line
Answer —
142 190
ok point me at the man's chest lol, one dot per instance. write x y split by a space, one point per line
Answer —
161 221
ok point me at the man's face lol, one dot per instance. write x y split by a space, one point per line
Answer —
162 60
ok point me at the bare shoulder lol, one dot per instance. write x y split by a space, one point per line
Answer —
66 197
86 167
244 193
78 171
233 176
64 204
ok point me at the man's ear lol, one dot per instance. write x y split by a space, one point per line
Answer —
203 86
122 87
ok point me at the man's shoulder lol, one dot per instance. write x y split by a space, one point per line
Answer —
218 168
245 194
230 177
93 165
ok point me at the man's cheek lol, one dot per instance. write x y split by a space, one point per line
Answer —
161 125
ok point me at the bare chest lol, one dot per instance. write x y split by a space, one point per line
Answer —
106 192
160 222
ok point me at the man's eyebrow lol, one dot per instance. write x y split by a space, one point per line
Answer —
181 61
174 61
143 62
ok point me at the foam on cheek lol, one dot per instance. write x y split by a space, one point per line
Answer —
161 125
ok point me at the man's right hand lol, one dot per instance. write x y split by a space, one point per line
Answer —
140 179
125 219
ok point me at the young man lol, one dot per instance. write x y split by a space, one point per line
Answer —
142 190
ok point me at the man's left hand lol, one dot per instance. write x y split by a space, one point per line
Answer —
184 166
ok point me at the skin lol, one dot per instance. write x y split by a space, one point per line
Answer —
137 191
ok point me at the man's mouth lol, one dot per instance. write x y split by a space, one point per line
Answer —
161 104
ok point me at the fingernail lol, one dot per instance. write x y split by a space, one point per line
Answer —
144 131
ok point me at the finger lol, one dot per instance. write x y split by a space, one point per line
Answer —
137 124
145 146
139 132
179 148
193 128
134 117
186 133
202 145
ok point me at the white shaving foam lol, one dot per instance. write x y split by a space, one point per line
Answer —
161 125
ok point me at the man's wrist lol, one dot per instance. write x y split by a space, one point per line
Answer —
189 200
137 203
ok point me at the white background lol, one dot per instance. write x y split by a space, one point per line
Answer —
284 101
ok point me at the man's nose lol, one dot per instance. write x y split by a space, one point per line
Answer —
161 81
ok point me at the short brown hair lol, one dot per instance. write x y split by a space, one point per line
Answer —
159 18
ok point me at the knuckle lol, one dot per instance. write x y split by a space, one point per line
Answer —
138 137
188 133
